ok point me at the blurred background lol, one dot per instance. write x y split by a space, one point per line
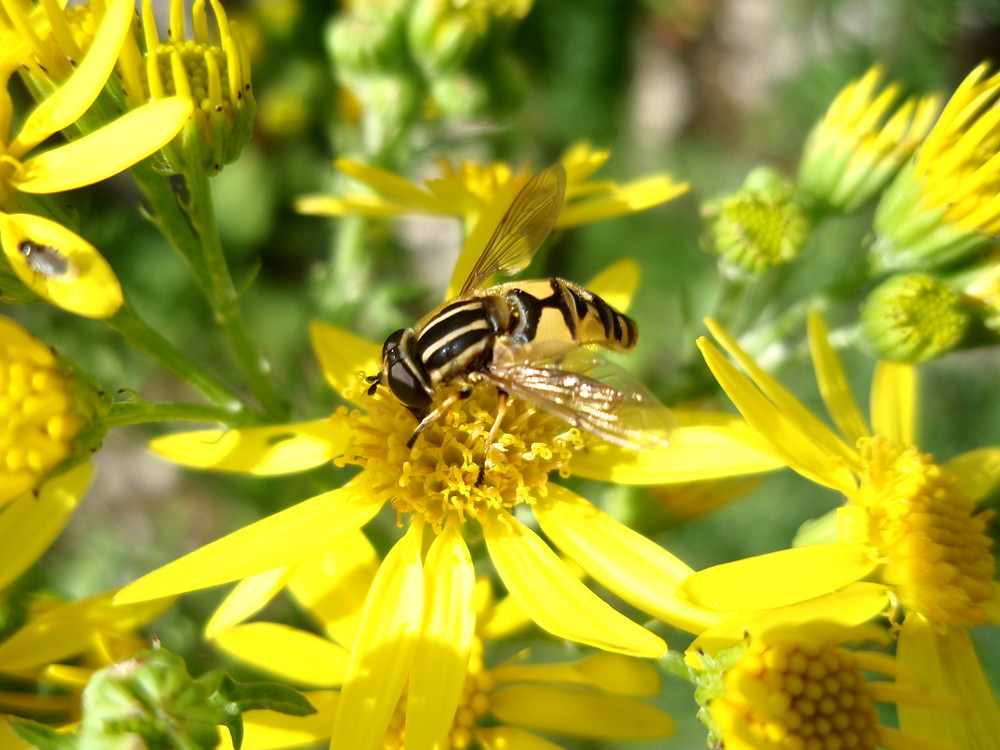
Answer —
704 90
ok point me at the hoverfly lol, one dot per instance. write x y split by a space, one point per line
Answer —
525 338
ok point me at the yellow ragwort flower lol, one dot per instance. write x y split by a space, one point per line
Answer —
213 78
441 488
480 705
792 687
47 412
945 202
908 521
861 142
53 261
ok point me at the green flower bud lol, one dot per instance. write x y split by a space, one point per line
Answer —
760 226
914 318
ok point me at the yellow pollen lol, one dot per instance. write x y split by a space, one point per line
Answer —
937 554
448 472
472 704
787 695
38 425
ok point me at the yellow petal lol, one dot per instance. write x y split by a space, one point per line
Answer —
833 383
269 730
579 713
624 561
611 672
276 541
705 446
778 578
819 434
790 438
343 357
78 92
31 523
512 738
623 200
60 266
441 659
249 597
894 401
977 471
854 604
263 451
617 283
945 659
361 205
556 600
107 151
502 619
332 585
289 654
381 658
392 186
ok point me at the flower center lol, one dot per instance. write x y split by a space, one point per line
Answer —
474 702
785 693
935 545
38 425
448 471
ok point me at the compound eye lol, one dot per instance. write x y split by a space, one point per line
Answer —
390 349
405 386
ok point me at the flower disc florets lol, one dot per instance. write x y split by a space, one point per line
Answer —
936 548
448 470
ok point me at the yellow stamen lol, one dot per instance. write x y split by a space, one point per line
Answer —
935 546
440 475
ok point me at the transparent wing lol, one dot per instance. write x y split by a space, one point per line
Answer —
523 228
591 393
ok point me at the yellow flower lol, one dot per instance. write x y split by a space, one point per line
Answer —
214 79
47 661
54 262
861 142
907 521
944 204
467 189
475 704
799 687
47 413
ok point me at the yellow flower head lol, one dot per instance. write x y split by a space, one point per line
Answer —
466 189
52 261
799 687
212 76
861 142
944 204
46 409
378 705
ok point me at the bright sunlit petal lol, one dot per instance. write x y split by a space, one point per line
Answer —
833 383
893 402
306 659
249 597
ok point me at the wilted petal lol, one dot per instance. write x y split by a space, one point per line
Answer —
342 356
556 600
289 654
276 541
264 451
624 561
804 572
441 659
579 713
382 656
60 266
107 151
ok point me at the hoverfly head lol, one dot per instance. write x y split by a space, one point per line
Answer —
401 372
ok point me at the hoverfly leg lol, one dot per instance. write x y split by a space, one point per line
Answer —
502 401
445 405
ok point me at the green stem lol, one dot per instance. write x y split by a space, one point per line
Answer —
137 332
189 222
141 412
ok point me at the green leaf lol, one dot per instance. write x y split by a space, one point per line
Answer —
41 736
